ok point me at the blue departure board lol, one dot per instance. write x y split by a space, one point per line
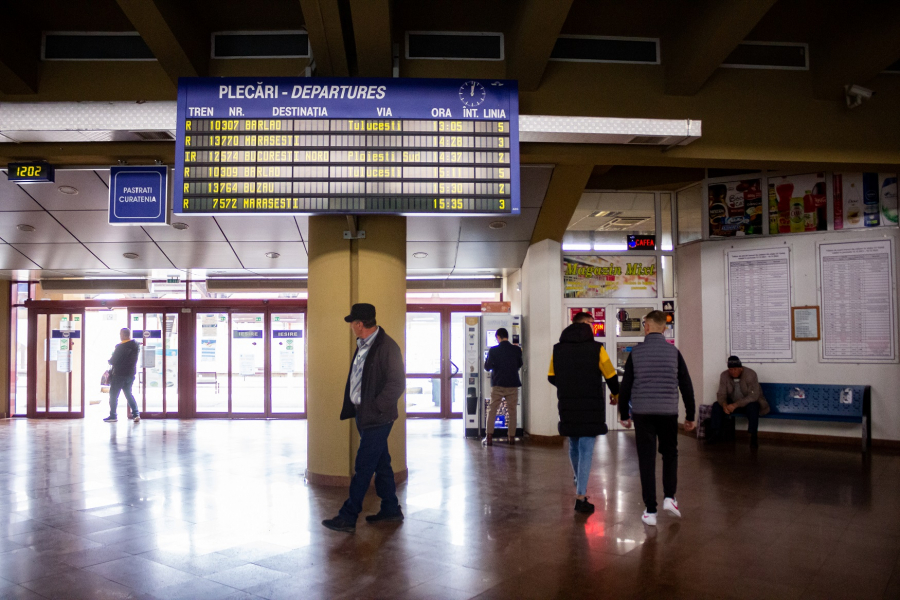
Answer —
284 145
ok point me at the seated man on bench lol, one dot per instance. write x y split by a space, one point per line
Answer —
738 390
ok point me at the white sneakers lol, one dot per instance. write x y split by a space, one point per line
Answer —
669 504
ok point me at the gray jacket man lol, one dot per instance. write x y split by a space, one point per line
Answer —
739 392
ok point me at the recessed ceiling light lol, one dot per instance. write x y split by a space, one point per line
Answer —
179 226
25 228
497 224
131 255
272 254
68 190
420 254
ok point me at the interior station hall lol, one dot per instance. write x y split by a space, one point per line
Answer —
217 189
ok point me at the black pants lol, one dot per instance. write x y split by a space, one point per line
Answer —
751 411
647 429
123 384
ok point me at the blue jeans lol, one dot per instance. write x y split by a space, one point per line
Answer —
581 453
372 457
123 384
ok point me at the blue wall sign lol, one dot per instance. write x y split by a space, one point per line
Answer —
250 334
57 334
294 333
153 334
137 195
347 146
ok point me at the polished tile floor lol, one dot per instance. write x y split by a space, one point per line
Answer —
219 509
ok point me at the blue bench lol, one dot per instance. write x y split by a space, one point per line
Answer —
818 402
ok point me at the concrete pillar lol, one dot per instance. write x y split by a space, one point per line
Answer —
542 308
342 273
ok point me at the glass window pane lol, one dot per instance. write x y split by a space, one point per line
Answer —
668 276
288 363
423 342
247 363
212 363
690 214
101 337
20 351
171 354
150 371
665 210
628 320
457 358
603 220
423 395
64 354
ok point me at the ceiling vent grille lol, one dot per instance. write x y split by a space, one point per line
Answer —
585 48
95 46
253 285
623 223
769 55
153 136
454 45
260 44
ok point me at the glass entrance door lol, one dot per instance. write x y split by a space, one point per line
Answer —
57 354
287 380
156 385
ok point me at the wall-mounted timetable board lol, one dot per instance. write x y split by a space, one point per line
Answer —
347 146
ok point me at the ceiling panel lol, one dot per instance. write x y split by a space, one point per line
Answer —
281 272
486 255
213 273
149 256
60 256
103 174
303 225
432 229
440 255
201 255
518 229
11 259
200 229
253 254
92 192
13 197
259 229
534 182
430 273
92 226
46 229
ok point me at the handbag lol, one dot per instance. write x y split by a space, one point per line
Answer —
104 379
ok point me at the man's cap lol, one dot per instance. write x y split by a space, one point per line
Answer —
734 362
361 312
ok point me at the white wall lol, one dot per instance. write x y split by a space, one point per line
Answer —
542 298
511 291
702 304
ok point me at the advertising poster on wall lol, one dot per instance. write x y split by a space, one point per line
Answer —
610 276
735 208
864 200
797 203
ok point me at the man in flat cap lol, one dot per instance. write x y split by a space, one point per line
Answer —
739 392
375 383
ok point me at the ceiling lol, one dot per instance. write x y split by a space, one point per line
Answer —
71 237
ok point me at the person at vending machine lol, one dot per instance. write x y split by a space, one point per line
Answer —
654 374
375 383
739 393
121 375
503 361
578 366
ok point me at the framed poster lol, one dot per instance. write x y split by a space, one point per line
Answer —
797 203
735 208
805 324
864 200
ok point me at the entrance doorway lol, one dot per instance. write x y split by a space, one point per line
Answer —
435 336
56 366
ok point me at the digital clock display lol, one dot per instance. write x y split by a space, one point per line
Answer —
30 172
349 146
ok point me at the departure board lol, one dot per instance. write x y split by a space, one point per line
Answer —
347 146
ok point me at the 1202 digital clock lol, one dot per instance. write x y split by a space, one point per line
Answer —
36 172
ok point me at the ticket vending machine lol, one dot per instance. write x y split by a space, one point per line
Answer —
480 332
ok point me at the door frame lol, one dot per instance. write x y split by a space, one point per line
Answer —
34 313
445 375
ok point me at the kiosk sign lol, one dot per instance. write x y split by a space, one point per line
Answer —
137 195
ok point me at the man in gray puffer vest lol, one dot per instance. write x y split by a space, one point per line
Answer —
654 373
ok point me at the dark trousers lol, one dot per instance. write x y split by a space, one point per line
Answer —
647 429
718 417
123 384
372 458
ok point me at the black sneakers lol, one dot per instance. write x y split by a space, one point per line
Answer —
110 419
583 506
339 524
383 516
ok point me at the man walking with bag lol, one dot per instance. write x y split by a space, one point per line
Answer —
121 375
375 383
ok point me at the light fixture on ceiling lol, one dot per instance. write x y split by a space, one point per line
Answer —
420 255
272 255
24 227
67 190
605 213
497 224
131 255
179 226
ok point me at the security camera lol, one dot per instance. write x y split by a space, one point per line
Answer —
855 94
